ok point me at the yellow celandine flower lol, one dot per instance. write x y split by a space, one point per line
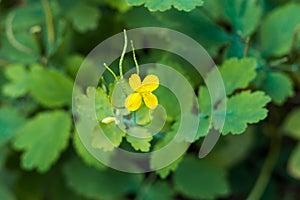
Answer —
142 90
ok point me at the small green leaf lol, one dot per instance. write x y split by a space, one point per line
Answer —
200 179
18 85
43 138
85 155
95 184
237 74
294 163
242 109
50 87
84 17
291 124
156 5
10 121
141 143
278 86
277 30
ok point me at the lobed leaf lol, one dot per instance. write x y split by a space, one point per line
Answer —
42 139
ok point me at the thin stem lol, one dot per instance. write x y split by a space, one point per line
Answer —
247 47
280 61
134 117
11 37
111 71
49 21
266 171
134 58
122 55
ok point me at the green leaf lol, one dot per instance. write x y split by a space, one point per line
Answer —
164 172
200 179
84 17
243 109
108 184
18 77
156 5
140 139
244 15
237 74
50 87
112 134
291 125
43 138
85 155
294 163
159 190
10 121
278 86
277 30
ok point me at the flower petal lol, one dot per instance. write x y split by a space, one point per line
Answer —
135 82
133 101
150 100
149 84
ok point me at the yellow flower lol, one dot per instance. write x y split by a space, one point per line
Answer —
142 90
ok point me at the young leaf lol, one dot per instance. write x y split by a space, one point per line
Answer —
18 85
108 184
43 138
278 29
10 121
242 109
237 74
49 87
278 86
141 143
157 5
200 179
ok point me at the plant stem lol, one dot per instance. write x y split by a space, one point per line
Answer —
49 21
134 58
247 47
11 37
266 171
122 55
111 71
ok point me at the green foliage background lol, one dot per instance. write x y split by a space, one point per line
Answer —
255 43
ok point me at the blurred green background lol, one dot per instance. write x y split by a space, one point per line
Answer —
256 43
